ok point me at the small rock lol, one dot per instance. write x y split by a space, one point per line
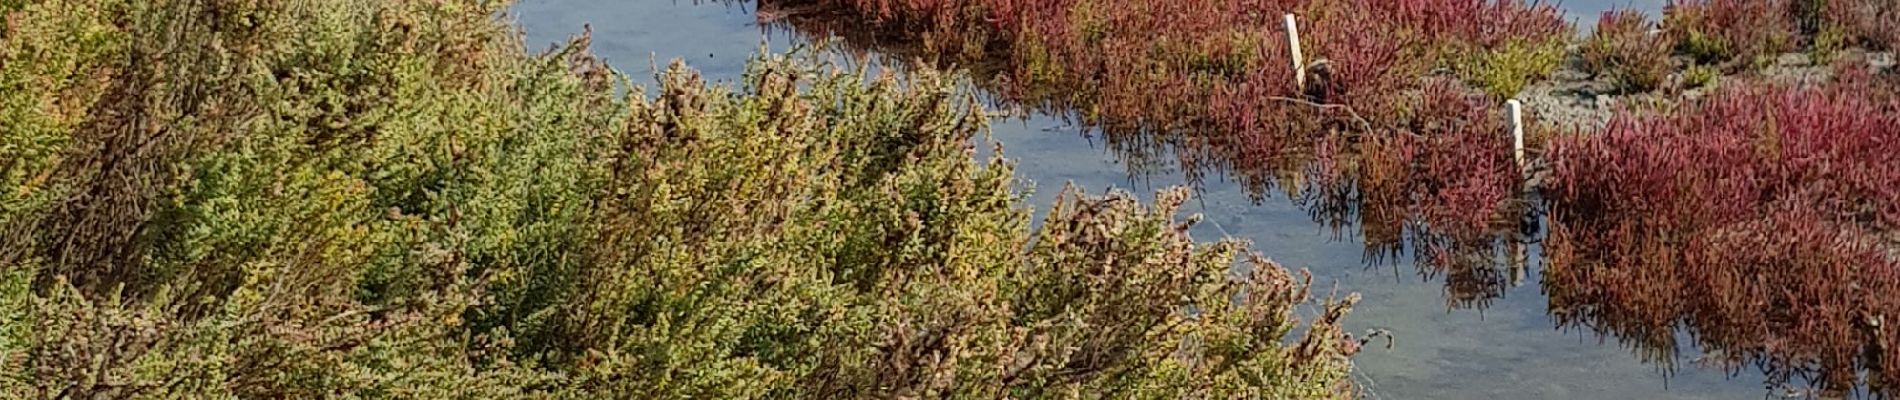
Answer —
1881 61
1692 94
1794 60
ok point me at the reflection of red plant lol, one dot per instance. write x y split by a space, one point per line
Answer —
1385 193
1753 221
1468 169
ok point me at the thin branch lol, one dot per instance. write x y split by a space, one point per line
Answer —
1325 106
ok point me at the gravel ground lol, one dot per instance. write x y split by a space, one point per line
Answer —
1572 100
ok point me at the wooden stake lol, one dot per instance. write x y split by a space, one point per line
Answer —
1299 61
1517 130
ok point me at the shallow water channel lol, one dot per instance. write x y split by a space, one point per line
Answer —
1508 350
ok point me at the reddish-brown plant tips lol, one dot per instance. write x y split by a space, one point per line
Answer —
1873 23
1723 30
1761 222
1751 31
1626 49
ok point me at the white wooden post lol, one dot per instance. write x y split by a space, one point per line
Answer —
1299 61
1517 130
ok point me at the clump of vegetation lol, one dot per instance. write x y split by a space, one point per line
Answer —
1748 32
1760 221
1739 32
1505 72
1699 76
1624 49
1826 38
1517 43
391 199
1869 23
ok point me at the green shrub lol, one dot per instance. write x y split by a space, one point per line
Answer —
1698 75
390 199
1827 46
1503 72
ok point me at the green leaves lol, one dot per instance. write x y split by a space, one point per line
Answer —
392 200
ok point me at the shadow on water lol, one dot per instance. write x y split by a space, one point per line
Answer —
1483 332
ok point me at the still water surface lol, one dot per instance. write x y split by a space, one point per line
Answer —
1509 350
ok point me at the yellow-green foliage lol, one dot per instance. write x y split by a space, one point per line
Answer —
390 199
1827 44
1503 72
43 92
1698 75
